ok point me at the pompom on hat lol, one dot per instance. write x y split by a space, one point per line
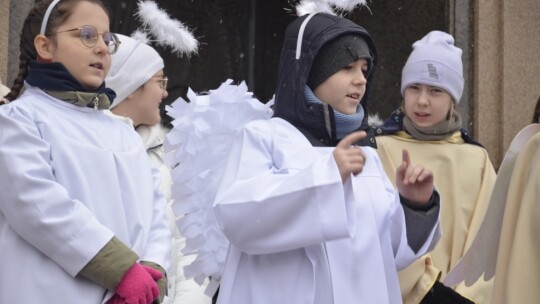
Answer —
133 65
435 61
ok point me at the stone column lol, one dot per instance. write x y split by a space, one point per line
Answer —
4 39
460 26
506 66
18 9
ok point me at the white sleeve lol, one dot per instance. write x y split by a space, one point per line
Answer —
35 206
263 209
158 248
403 253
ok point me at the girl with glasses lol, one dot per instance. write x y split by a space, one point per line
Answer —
79 223
137 77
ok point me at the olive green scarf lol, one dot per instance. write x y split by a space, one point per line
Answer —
83 99
436 132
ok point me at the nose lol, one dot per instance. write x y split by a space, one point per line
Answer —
165 94
359 78
423 97
101 47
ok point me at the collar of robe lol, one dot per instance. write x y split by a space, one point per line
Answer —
55 80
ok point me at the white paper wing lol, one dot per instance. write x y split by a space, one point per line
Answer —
481 258
197 148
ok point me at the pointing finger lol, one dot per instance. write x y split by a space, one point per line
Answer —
405 157
350 139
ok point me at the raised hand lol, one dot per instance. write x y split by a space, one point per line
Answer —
349 158
414 182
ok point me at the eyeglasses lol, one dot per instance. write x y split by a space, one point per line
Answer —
89 37
162 82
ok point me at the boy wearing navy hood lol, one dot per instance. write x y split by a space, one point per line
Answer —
310 215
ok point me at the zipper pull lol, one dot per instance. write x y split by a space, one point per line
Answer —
96 102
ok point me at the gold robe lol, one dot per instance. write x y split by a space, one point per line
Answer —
517 275
464 177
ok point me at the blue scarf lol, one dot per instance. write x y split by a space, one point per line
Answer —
54 77
345 123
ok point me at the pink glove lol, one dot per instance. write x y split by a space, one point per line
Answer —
154 273
115 300
138 285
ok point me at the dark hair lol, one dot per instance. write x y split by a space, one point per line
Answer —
31 28
536 115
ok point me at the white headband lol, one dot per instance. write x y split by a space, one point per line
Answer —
46 17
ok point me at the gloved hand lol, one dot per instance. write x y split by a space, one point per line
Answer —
154 273
162 283
138 285
116 299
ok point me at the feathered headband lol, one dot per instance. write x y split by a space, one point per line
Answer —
166 31
327 6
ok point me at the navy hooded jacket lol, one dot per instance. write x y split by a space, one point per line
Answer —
290 102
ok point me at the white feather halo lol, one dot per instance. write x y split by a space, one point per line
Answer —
327 6
165 30
140 36
308 7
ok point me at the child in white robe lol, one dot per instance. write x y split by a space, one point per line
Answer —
311 216
140 89
81 216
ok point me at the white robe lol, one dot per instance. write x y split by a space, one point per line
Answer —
180 289
72 178
298 234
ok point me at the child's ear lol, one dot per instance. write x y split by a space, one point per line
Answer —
44 48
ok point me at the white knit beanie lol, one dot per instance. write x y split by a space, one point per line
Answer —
435 61
133 65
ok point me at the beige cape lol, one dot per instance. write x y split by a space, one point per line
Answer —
464 177
517 275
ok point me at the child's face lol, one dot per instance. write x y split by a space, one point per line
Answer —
142 106
426 105
345 88
88 65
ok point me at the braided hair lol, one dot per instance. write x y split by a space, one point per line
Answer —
536 115
31 28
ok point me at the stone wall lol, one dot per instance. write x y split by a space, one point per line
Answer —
18 9
506 67
4 39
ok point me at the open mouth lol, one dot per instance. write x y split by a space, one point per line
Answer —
97 66
422 116
354 96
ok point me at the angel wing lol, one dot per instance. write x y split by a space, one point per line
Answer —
481 257
196 148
